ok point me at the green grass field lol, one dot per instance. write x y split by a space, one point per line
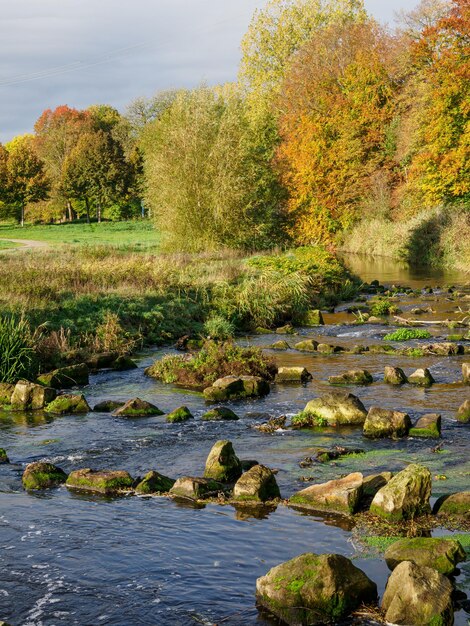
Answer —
4 245
135 236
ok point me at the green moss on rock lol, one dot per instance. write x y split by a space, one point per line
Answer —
68 404
154 483
102 482
40 475
220 413
182 414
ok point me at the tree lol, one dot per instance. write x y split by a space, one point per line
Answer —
22 176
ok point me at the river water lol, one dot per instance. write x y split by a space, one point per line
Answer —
69 559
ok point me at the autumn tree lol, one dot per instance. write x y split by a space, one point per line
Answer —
338 100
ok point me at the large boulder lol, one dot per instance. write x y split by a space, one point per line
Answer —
466 373
427 427
28 396
314 589
454 504
68 404
3 457
66 377
196 488
338 408
106 482
353 377
373 483
394 376
154 482
421 378
341 496
222 463
137 408
307 345
6 391
258 484
463 414
41 475
235 387
418 596
405 496
220 413
182 414
293 375
441 554
385 423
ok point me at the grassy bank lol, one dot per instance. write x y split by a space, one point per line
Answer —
439 238
132 235
90 299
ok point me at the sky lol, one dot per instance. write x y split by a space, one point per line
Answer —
83 52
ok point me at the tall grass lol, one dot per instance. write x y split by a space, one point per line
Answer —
17 355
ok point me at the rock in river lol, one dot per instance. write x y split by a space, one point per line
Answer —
218 414
428 427
41 475
395 376
405 496
293 375
385 423
338 496
196 488
457 504
418 596
258 484
68 404
137 408
154 482
314 589
307 345
463 414
353 377
182 414
3 457
421 378
105 482
66 377
338 408
442 554
6 391
466 373
222 464
107 406
235 387
28 396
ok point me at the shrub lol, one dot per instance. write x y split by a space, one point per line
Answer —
383 307
219 328
17 356
405 334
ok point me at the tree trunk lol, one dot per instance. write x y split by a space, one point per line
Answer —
87 204
69 211
22 215
98 212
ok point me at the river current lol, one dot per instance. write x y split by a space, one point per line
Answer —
68 559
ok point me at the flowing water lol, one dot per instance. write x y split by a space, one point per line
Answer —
70 559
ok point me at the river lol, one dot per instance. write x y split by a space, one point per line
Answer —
68 559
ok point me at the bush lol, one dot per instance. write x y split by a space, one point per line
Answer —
383 307
405 334
219 328
17 356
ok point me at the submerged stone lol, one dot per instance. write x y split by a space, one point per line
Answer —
137 408
442 554
314 589
236 387
395 376
222 463
258 484
106 482
40 475
463 414
68 404
385 423
29 396
182 414
3 457
353 377
154 482
405 496
418 596
66 377
338 496
308 345
457 504
428 426
338 407
196 488
293 375
220 413
422 378
107 406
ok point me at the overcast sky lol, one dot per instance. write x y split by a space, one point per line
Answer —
81 52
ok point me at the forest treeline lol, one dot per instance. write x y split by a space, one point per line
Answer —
334 121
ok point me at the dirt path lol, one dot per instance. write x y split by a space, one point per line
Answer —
24 244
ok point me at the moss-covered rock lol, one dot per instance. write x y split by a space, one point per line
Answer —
443 349
466 373
3 457
394 376
258 484
337 496
6 391
107 482
236 387
29 396
293 375
66 377
218 414
463 414
124 363
422 378
418 595
373 483
311 318
288 329
154 483
405 496
40 475
272 425
442 554
68 404
314 589
107 406
182 414
102 360
457 504
137 408
352 377
324 455
307 345
279 345
326 348
338 408
427 427
222 463
382 423
196 488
